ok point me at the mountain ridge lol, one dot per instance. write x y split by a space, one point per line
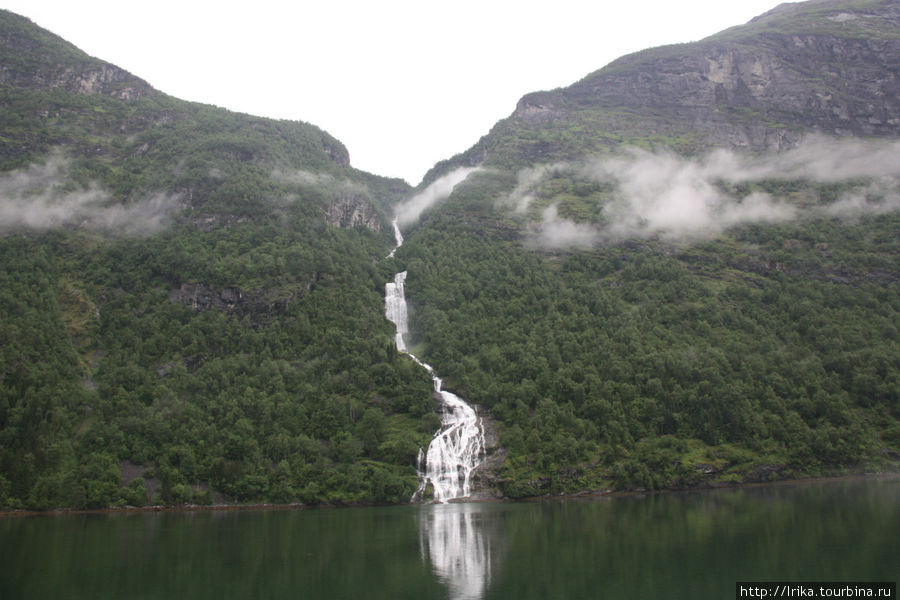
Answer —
758 86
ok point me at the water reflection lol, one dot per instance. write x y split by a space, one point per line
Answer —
677 546
460 541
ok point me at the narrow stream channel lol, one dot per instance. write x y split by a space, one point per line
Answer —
458 446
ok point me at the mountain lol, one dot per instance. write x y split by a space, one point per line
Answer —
679 271
682 269
191 300
126 133
827 66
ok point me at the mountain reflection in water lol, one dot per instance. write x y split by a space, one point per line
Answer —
679 546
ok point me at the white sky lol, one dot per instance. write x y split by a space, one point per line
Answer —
402 83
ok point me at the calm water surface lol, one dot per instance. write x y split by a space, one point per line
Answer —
683 545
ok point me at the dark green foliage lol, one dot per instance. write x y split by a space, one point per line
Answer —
235 350
297 395
768 353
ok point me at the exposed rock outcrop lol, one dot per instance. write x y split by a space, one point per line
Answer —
105 79
539 107
231 299
827 67
799 67
348 210
486 483
336 151
78 73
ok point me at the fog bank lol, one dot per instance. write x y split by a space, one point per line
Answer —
409 211
681 199
37 198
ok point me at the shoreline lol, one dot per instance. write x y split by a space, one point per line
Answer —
584 495
723 486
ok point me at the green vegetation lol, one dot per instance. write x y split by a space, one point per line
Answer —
294 394
761 351
133 141
191 300
184 315
210 157
280 384
771 352
824 19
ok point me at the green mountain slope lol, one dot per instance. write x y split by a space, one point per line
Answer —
682 270
191 300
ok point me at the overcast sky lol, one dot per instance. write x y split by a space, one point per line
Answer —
403 84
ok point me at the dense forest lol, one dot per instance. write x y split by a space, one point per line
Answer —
118 391
191 301
666 275
768 352
682 269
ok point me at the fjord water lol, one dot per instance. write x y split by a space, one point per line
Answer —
679 545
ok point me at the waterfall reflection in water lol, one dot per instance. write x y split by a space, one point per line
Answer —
458 541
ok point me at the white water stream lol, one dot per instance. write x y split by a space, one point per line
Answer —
458 446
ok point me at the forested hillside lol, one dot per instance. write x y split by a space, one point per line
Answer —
191 301
683 269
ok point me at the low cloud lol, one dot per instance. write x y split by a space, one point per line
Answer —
821 159
409 211
299 177
674 198
37 198
528 181
877 198
556 233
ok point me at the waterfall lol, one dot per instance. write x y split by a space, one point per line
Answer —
458 446
395 310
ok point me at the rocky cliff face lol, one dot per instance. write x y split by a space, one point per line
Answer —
103 79
828 74
231 299
37 59
486 480
824 66
348 210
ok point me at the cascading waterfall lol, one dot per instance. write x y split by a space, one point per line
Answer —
458 446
